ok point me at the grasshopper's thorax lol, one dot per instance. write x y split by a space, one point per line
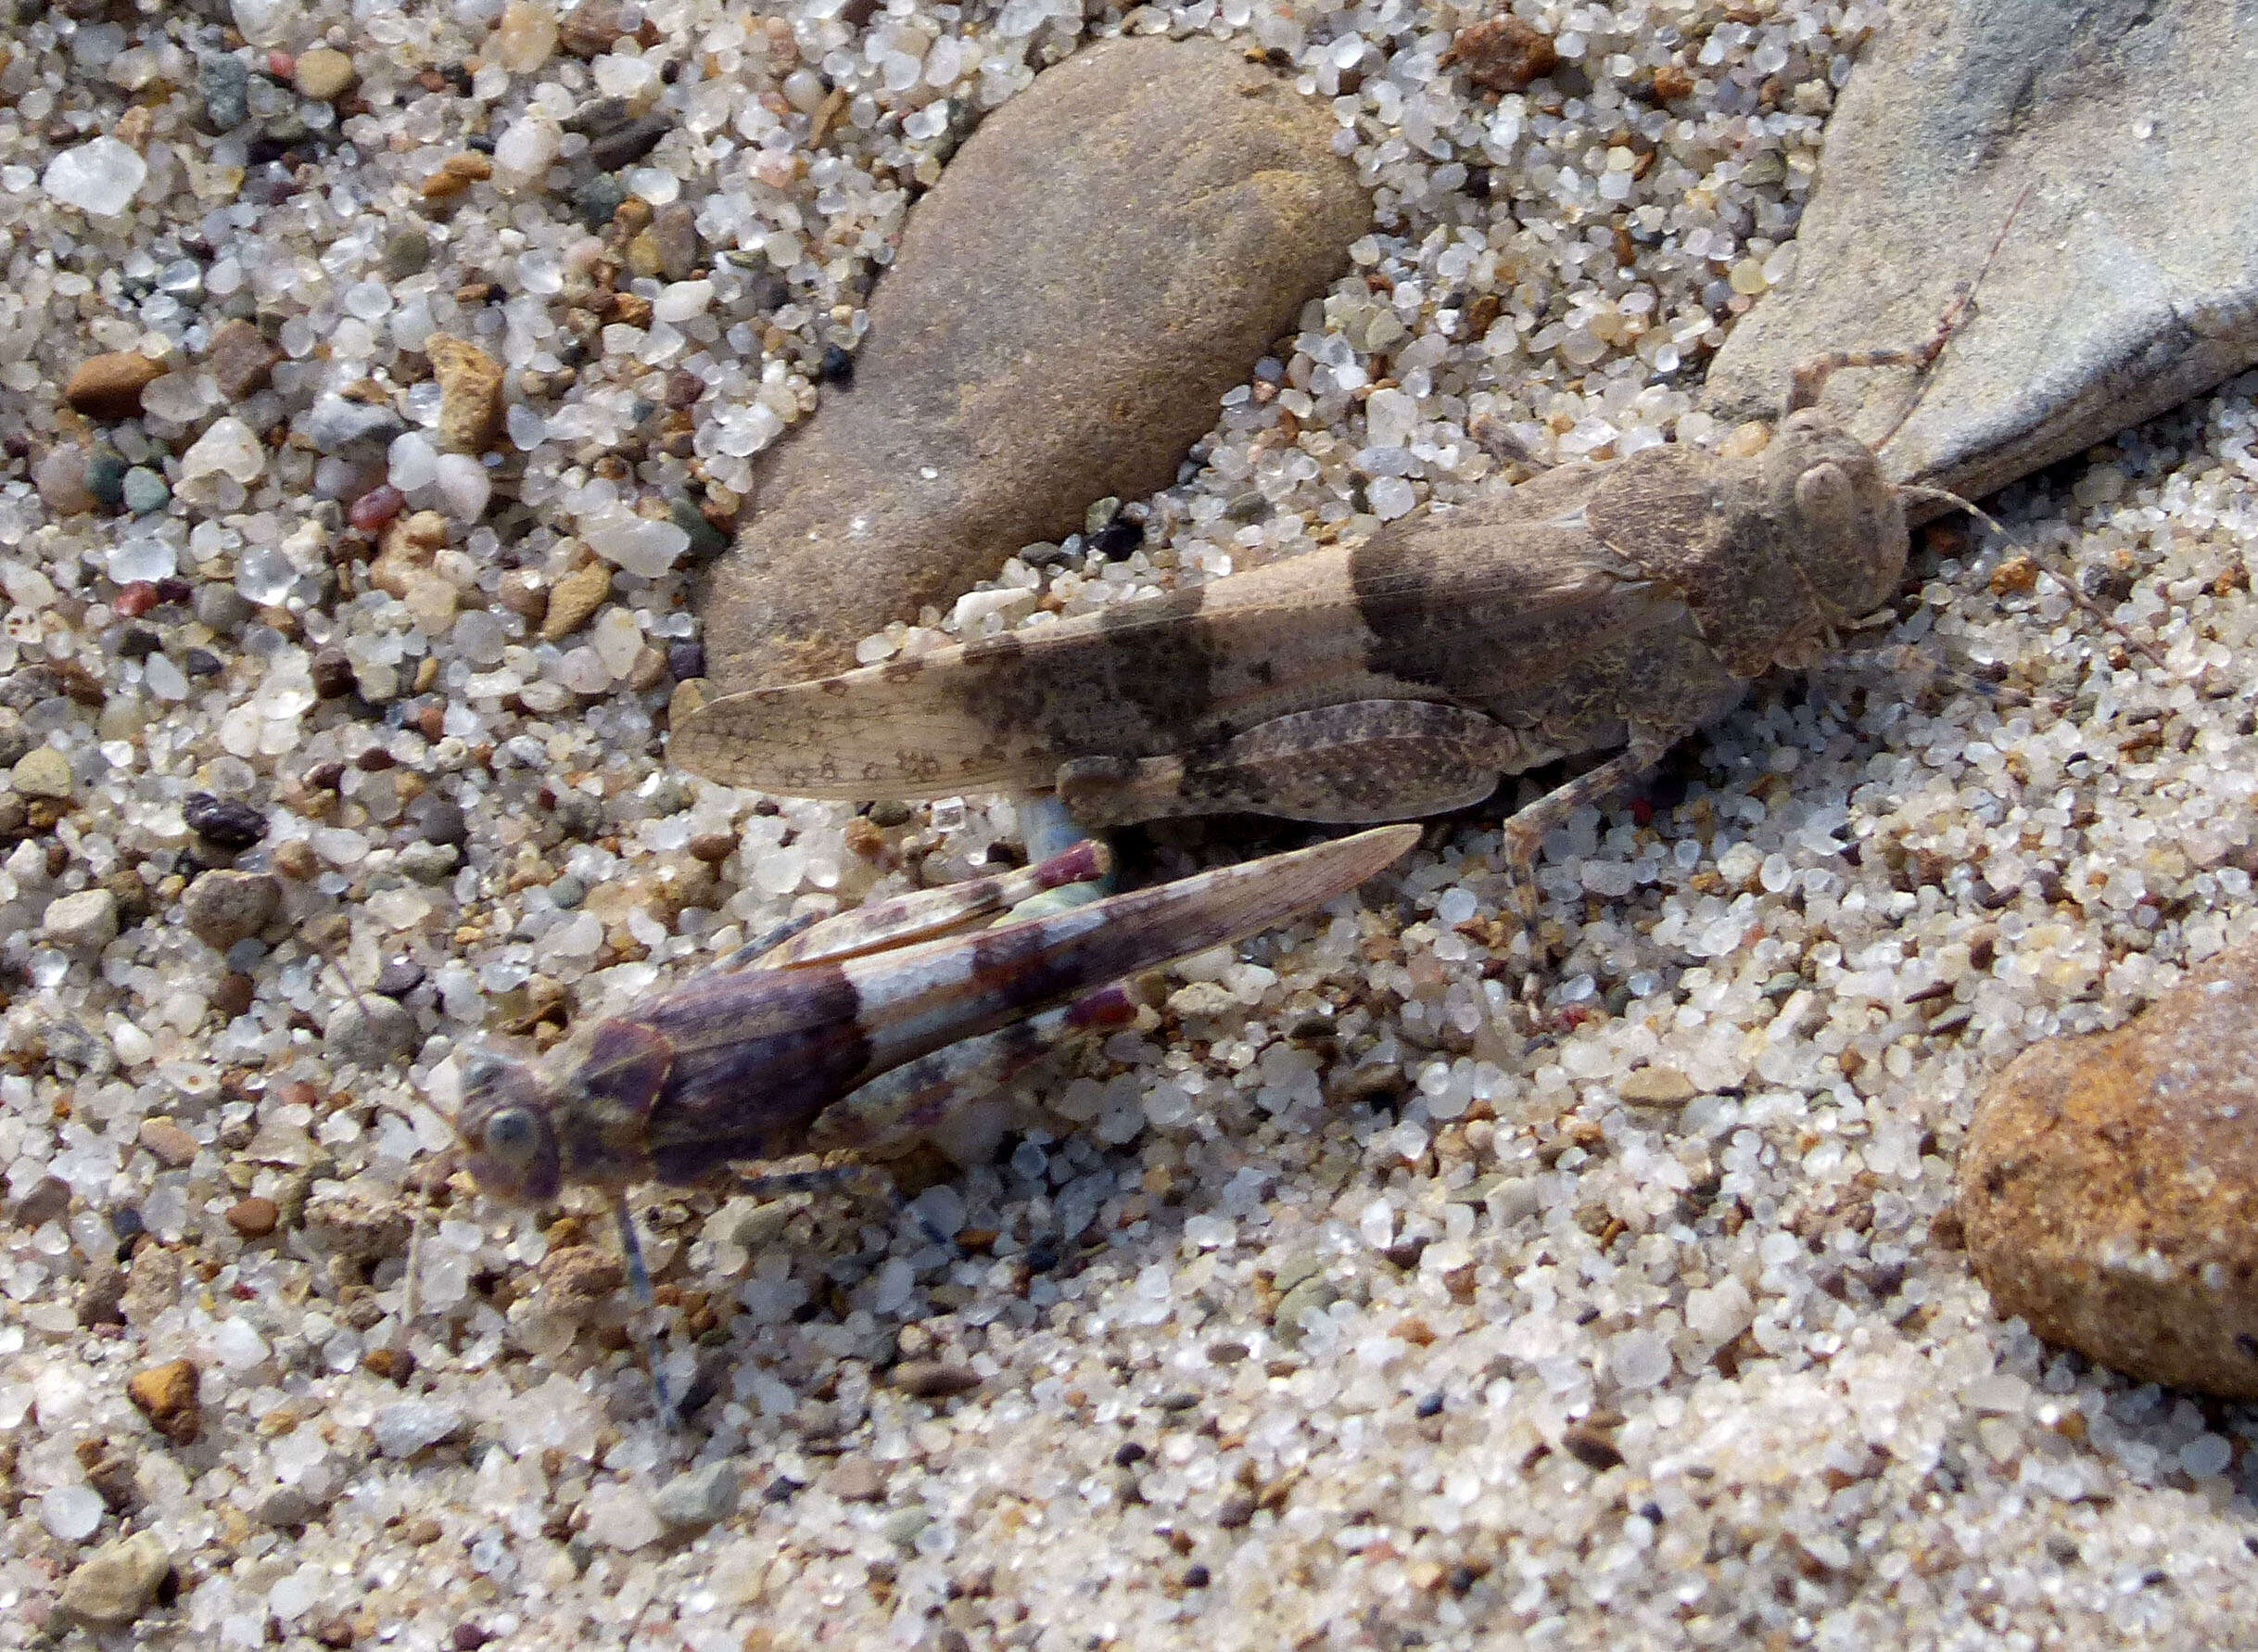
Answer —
527 1132
1843 523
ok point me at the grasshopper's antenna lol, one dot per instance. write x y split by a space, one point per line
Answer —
1808 380
2092 609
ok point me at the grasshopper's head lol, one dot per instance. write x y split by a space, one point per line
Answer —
509 1134
1841 520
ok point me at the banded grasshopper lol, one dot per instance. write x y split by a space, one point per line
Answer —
1623 603
865 1028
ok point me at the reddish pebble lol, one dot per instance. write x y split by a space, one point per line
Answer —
376 507
281 65
137 599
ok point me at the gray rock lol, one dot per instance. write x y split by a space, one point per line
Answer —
15 739
701 1498
144 491
333 423
86 921
1107 254
115 1584
220 607
223 81
371 1032
222 907
2128 282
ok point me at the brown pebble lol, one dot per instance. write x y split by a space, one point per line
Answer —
166 1394
240 359
254 1217
712 847
2109 1187
48 1199
471 410
933 1380
864 838
574 598
393 1364
323 74
173 1146
857 1479
295 859
109 387
335 1631
1504 53
1672 83
1656 1087
422 1531
456 173
235 994
1594 1448
988 361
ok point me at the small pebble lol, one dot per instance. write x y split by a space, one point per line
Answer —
254 1217
143 490
619 1516
85 922
240 359
701 1498
49 1198
171 1146
574 598
222 81
400 977
1504 52
1656 1087
933 1380
42 772
372 1033
294 859
223 907
167 1395
407 251
335 424
235 994
323 74
857 1479
104 479
108 388
471 409
440 820
225 823
111 1588
406 1427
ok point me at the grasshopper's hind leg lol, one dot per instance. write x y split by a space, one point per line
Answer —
1353 764
1049 832
912 1099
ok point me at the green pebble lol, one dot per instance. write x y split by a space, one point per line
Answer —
106 478
706 540
406 251
144 491
597 199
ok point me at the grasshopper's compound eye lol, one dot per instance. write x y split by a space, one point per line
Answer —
1824 499
513 1138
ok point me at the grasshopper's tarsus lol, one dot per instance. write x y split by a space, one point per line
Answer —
639 1287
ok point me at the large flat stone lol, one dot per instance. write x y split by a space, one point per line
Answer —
1107 254
2127 283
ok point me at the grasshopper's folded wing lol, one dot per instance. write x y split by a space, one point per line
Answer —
1437 609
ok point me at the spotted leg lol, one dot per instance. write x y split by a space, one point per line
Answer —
923 915
1367 760
1048 831
1525 829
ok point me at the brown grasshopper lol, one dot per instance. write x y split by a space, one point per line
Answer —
863 1029
1613 604
1623 603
